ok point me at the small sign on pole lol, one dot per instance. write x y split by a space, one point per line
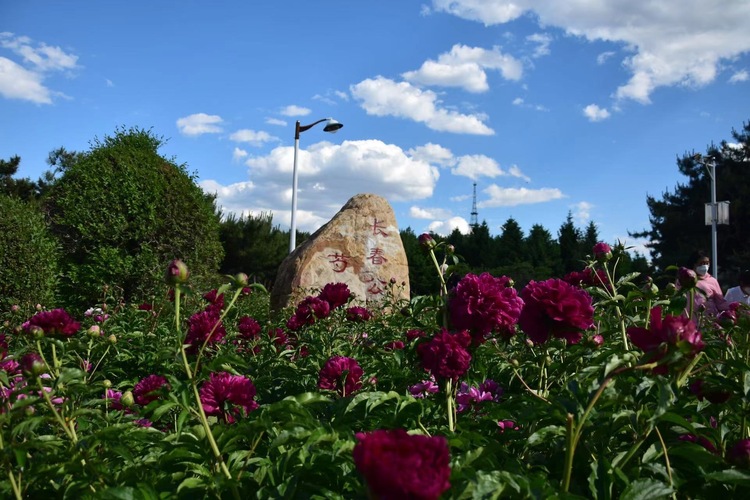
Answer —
722 213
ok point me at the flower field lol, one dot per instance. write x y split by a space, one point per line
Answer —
592 386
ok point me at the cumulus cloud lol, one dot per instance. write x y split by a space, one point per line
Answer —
252 137
429 213
669 46
239 154
542 41
511 197
604 56
199 123
582 212
465 67
514 171
24 80
293 110
594 113
476 166
328 176
384 97
740 76
446 227
276 121
433 154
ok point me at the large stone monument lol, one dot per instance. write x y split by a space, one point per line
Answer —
361 246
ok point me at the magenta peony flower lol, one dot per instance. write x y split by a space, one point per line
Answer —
308 311
228 396
336 294
554 307
505 425
396 345
54 322
739 453
215 300
692 438
340 374
423 388
396 464
602 252
149 389
483 304
414 334
358 314
204 325
588 277
472 397
665 333
249 328
445 356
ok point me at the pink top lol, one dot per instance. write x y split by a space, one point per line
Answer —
712 297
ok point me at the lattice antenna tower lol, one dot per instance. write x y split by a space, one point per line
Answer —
474 215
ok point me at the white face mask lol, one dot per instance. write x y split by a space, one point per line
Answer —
701 270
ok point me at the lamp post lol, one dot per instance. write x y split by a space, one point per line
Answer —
710 164
331 126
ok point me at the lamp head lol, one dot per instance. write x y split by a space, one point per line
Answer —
332 126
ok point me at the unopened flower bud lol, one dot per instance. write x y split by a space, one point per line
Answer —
112 339
426 242
107 383
177 272
36 332
15 308
450 249
687 278
39 307
94 331
127 399
33 365
602 252
241 280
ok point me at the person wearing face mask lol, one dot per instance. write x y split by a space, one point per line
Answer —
740 293
711 300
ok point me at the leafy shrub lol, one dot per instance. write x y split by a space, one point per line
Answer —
28 255
122 212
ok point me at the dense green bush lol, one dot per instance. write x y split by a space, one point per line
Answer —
122 212
28 255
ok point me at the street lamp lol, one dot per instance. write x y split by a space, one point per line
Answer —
331 126
710 164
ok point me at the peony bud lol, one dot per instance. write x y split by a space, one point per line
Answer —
177 272
33 365
240 280
127 399
602 252
687 278
426 242
94 331
112 339
107 383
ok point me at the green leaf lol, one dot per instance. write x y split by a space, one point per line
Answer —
544 434
646 489
731 476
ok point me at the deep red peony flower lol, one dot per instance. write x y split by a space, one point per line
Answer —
204 325
739 453
483 304
340 374
709 391
215 300
149 389
445 356
228 396
414 334
308 311
336 294
396 464
358 314
554 307
249 328
670 331
588 277
54 322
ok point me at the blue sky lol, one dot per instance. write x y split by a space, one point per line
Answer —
579 106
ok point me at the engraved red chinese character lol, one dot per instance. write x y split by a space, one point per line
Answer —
339 262
376 257
378 228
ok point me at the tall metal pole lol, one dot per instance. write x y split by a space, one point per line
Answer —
714 217
293 225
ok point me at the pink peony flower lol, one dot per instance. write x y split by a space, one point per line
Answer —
423 388
54 322
445 356
396 464
505 425
666 333
336 294
358 314
340 374
472 397
204 326
228 396
555 308
149 389
483 304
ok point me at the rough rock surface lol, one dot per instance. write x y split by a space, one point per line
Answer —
360 246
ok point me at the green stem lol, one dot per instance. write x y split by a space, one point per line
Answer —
208 337
66 427
666 459
16 487
443 287
570 450
449 404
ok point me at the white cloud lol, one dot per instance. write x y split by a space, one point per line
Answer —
514 171
16 82
604 56
239 154
462 197
543 42
199 123
429 213
341 95
252 137
293 110
433 154
511 197
383 97
671 45
582 212
328 176
276 121
446 227
518 101
465 67
594 113
42 56
475 166
740 76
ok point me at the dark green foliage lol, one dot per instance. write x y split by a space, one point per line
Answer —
28 255
254 246
422 277
122 212
678 218
569 238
